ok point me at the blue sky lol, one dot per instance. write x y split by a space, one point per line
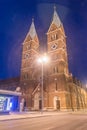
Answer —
15 20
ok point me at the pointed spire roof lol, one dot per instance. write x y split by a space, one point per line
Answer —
56 19
32 31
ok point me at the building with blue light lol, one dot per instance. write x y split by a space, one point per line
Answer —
9 101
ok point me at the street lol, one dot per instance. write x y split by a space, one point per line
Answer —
52 122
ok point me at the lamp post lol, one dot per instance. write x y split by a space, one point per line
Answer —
42 59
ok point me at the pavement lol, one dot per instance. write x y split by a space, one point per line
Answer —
25 115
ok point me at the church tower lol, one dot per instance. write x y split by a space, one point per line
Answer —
29 70
56 41
58 68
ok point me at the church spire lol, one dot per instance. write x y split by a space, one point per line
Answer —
56 19
32 34
32 31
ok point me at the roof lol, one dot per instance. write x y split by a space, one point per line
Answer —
9 80
32 31
11 93
56 19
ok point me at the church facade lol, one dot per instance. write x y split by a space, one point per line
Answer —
61 91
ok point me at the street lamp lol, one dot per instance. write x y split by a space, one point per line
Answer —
42 59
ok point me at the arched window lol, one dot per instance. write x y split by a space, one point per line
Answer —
54 37
56 86
26 76
55 69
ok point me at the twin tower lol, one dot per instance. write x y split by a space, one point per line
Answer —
55 72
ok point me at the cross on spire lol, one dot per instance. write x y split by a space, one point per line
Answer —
32 19
54 7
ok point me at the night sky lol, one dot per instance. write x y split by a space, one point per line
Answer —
15 21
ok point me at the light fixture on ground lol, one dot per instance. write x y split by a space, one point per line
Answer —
42 60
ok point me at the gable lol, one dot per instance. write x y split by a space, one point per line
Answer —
52 28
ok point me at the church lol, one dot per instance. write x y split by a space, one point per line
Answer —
49 86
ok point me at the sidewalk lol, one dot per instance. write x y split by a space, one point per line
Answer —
24 115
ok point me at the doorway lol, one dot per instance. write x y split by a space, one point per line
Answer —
40 104
56 103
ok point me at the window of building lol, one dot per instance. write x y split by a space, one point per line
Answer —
28 46
55 69
56 86
26 76
54 37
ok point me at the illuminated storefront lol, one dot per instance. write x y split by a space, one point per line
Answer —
9 100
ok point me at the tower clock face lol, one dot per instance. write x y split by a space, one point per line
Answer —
54 46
